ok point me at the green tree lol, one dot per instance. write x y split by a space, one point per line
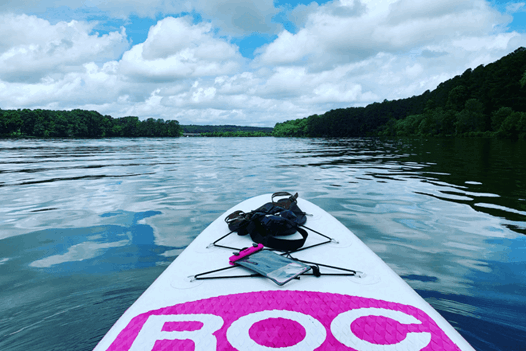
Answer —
457 98
470 118
499 116
294 128
61 128
514 126
409 125
11 123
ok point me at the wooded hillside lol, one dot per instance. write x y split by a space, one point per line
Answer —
487 101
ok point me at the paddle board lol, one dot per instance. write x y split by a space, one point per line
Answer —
372 310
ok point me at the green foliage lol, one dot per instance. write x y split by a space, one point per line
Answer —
198 129
480 102
499 116
514 126
10 123
470 118
294 128
236 134
457 98
409 126
81 124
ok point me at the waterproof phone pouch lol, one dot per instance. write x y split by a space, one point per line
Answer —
273 266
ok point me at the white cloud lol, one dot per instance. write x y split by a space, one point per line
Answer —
385 49
329 39
113 8
287 48
89 84
515 7
14 5
301 14
343 53
32 48
233 17
239 17
177 49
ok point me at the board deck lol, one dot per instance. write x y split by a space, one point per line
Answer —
374 310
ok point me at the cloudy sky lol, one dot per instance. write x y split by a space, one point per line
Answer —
244 62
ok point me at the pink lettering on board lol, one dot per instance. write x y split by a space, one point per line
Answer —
277 332
284 320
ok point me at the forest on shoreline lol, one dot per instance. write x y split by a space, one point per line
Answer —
81 124
91 124
489 101
227 131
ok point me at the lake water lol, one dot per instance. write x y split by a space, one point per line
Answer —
87 225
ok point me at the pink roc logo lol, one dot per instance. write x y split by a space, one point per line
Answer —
284 320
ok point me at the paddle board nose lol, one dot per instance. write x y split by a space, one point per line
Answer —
373 309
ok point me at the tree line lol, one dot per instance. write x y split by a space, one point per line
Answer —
81 124
222 129
239 133
487 101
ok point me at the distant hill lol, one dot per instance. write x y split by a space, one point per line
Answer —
222 129
487 101
91 124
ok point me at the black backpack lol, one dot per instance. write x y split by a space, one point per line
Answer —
272 220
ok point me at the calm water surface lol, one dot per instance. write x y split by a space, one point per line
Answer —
87 225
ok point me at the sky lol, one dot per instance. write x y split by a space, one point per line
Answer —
242 62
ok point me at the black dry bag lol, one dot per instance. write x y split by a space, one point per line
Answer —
270 221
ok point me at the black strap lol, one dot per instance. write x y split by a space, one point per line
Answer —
286 202
280 244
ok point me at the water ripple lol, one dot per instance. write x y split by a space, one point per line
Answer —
98 220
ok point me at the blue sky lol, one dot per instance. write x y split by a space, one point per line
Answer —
247 62
137 26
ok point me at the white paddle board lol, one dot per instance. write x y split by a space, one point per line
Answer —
372 310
